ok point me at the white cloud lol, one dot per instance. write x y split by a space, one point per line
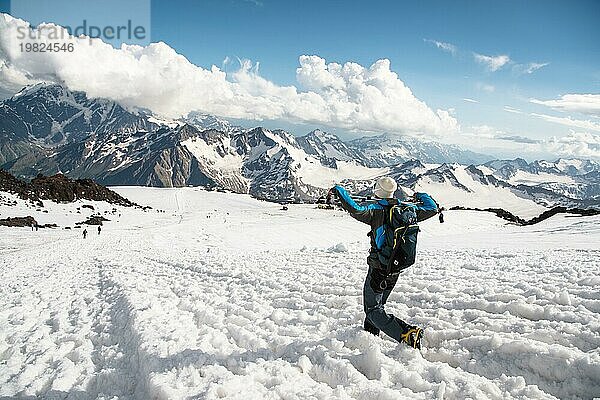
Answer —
470 100
529 68
568 121
485 87
576 144
481 131
447 47
255 2
347 96
518 139
582 103
512 110
492 63
488 138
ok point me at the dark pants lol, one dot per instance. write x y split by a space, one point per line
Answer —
374 299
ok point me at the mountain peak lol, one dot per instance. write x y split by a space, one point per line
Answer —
321 135
208 121
40 86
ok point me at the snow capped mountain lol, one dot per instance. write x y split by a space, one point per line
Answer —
525 194
513 187
570 167
467 186
47 128
51 115
564 182
328 148
207 121
102 140
387 149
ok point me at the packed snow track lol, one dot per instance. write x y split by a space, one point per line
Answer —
223 296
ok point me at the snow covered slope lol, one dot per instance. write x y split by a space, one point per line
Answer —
215 295
457 185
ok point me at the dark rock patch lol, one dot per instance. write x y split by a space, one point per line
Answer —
60 189
506 215
27 221
93 220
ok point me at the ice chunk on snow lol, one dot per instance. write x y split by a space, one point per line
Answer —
338 248
563 298
304 363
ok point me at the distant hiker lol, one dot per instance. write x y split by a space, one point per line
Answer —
32 226
393 248
84 233
99 229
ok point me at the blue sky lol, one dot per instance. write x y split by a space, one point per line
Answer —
437 48
562 33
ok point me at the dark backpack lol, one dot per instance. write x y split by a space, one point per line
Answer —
400 246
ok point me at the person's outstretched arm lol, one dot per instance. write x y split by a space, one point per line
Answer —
425 206
363 214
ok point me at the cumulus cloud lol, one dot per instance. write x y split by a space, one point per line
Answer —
492 63
582 103
576 144
568 121
373 98
447 47
348 96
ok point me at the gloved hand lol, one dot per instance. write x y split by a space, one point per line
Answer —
330 195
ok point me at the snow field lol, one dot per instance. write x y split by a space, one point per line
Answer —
222 296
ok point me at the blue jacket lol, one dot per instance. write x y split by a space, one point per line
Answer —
375 215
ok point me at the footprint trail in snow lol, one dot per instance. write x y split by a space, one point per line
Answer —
254 302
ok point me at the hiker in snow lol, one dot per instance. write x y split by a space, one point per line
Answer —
99 229
393 246
84 233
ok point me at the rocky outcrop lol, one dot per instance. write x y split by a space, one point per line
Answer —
93 220
59 188
501 213
10 184
27 221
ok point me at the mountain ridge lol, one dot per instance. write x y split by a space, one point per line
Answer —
66 132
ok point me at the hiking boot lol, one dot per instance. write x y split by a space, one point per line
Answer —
413 337
369 327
